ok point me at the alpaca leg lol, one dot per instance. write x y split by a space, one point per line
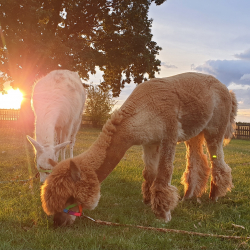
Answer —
164 197
151 159
58 141
71 146
73 137
63 152
63 139
221 180
197 170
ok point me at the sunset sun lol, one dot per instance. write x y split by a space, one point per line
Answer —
11 100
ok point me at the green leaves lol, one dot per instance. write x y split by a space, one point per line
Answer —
41 35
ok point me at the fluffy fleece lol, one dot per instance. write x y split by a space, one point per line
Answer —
197 171
159 113
59 187
58 100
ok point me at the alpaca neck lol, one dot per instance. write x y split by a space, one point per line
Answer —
110 146
114 154
45 132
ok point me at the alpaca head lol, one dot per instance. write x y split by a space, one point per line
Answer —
46 157
68 184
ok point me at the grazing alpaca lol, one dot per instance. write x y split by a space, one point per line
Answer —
189 107
58 100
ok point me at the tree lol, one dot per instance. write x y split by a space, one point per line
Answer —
38 36
99 105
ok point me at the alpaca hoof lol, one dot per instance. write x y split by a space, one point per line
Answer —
164 215
146 193
198 200
213 192
147 202
167 216
188 194
185 197
214 198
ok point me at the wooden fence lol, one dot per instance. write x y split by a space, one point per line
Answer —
10 117
242 131
86 121
9 114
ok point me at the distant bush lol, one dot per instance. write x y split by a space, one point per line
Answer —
99 105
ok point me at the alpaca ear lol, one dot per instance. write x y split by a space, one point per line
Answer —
61 146
74 171
35 144
52 163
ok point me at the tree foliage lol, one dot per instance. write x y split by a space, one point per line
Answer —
99 105
38 36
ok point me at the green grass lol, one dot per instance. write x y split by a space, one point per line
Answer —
24 225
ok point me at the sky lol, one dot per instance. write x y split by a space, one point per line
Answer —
211 37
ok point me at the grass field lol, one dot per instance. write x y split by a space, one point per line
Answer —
24 225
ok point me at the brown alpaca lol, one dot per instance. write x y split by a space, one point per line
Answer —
189 107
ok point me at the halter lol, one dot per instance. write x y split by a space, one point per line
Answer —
67 211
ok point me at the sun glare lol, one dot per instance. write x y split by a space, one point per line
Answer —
11 100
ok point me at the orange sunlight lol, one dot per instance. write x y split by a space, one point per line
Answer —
11 100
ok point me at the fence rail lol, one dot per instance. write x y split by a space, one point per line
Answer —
242 131
9 114
11 117
86 121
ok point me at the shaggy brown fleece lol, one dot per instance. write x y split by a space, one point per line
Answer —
221 181
62 184
164 197
197 171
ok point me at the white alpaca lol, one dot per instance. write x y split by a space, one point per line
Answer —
58 100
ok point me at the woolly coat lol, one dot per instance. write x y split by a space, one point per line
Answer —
57 100
158 112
